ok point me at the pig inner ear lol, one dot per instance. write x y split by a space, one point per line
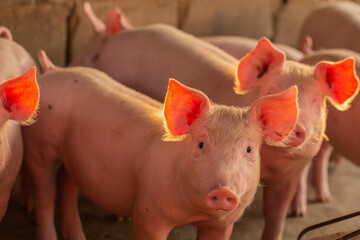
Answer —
277 114
116 22
183 106
20 95
260 61
340 81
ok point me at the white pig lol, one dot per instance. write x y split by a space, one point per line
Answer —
161 51
343 137
19 97
202 166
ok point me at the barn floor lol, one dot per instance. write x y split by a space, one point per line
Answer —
344 183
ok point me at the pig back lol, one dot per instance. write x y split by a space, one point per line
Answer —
145 58
99 129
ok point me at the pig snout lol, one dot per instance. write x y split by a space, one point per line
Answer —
221 199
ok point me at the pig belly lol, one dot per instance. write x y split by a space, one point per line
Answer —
110 186
343 130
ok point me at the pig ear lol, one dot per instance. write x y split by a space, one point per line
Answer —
307 45
97 24
5 32
20 96
116 22
183 106
340 81
264 59
45 62
277 114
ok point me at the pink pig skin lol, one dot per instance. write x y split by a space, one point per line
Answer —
340 15
143 58
14 61
344 139
114 147
240 46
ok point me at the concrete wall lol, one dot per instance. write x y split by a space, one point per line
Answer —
61 28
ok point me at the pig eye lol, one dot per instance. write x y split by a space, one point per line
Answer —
248 150
201 145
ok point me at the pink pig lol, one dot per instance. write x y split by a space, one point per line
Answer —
202 166
340 15
19 97
343 138
161 51
240 46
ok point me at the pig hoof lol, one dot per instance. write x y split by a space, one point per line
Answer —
123 218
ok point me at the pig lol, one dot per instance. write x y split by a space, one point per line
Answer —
185 161
347 146
340 15
19 95
238 46
161 51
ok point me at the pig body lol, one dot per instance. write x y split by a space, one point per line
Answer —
14 61
182 57
240 46
161 51
112 144
340 15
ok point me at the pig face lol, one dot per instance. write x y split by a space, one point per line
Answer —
115 22
222 163
265 68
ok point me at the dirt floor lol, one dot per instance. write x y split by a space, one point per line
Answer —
344 184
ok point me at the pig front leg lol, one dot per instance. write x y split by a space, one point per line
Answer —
320 178
276 202
26 189
4 199
299 204
208 232
41 169
148 225
70 219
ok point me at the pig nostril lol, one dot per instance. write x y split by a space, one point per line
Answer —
214 199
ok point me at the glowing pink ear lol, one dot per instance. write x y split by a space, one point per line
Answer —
183 106
116 22
340 81
277 114
96 23
260 61
20 95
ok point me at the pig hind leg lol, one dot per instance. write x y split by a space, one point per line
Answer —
68 194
